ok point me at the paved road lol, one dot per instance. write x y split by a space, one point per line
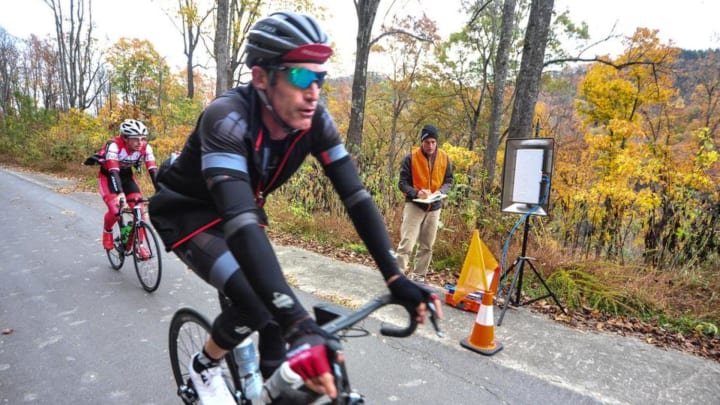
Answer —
83 333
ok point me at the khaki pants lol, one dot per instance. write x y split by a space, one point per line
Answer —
418 226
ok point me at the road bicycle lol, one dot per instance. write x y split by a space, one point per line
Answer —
190 329
133 236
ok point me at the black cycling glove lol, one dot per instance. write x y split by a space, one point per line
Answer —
410 293
307 354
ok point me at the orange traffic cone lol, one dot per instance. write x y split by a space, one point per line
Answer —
482 338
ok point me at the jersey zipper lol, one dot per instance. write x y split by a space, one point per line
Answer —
263 185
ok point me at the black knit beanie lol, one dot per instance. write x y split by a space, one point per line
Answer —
428 131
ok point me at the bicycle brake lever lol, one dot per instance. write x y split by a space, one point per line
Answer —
433 315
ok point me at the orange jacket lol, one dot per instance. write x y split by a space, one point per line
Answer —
418 172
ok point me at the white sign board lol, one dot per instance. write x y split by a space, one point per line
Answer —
528 174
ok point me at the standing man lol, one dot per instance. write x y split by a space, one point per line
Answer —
424 171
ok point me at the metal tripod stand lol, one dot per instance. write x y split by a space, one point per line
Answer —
519 265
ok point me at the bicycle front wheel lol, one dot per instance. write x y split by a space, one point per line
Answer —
146 254
116 255
189 330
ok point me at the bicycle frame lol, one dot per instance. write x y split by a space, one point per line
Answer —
137 220
336 320
137 215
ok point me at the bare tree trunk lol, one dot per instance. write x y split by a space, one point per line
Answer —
9 73
189 52
366 11
192 23
466 89
62 52
78 62
501 67
478 108
221 50
531 65
243 15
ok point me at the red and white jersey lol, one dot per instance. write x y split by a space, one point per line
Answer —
117 156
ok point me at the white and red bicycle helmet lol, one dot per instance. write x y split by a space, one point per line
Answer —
132 128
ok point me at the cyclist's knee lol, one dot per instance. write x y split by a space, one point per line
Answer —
232 326
228 333
111 203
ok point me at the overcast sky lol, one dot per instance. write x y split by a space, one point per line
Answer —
690 24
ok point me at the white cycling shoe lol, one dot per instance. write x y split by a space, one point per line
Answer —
210 385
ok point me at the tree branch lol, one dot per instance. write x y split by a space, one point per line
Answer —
400 32
617 66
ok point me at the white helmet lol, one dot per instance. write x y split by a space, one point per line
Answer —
133 128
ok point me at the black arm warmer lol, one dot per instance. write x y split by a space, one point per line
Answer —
364 214
232 195
153 177
115 182
252 250
372 230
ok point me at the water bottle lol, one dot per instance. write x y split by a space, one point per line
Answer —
249 369
282 385
125 232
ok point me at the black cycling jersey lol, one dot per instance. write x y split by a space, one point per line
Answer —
227 168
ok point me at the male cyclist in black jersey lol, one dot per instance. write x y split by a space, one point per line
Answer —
209 209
